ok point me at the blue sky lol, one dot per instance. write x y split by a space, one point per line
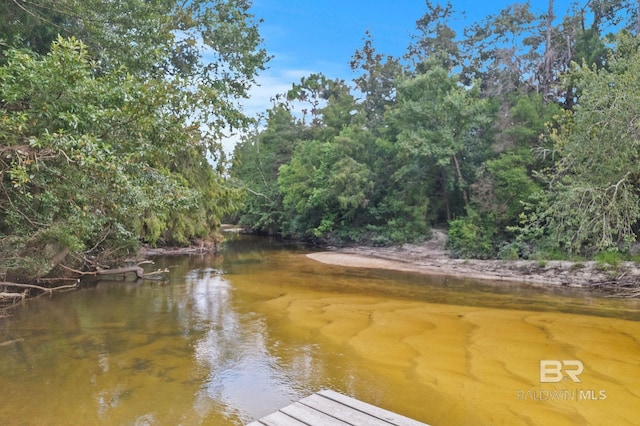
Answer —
307 36
323 34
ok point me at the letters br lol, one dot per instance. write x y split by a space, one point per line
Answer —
553 370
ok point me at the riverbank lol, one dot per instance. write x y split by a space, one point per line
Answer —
433 258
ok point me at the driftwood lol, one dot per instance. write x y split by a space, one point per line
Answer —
38 287
135 269
122 271
8 298
11 342
57 279
14 296
9 294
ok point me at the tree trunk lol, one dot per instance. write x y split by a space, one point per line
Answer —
465 197
548 53
445 192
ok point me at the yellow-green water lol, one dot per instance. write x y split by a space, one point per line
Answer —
235 337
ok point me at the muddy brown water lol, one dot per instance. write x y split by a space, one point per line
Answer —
233 337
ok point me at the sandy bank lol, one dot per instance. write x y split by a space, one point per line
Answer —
433 258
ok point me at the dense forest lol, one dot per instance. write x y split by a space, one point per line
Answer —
520 135
111 117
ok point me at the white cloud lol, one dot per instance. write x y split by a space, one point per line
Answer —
269 84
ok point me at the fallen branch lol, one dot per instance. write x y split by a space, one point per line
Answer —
48 280
118 271
11 342
154 275
75 271
135 269
5 295
50 290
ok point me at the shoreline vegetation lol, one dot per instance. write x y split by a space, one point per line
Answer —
429 258
63 278
112 139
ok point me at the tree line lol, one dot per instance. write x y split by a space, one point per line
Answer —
111 116
520 135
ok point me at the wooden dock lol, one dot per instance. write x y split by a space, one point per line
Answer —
329 408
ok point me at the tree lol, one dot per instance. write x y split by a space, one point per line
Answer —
439 122
592 202
212 46
326 189
20 26
256 163
78 169
109 145
376 83
436 41
506 181
327 179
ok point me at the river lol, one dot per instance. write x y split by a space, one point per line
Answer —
230 338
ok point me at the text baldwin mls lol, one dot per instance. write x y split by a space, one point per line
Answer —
554 371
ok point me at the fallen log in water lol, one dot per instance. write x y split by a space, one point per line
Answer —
137 270
50 290
9 296
10 293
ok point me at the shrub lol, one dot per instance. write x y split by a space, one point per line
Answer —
609 257
472 236
514 250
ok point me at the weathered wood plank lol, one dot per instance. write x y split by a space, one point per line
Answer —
277 419
310 415
341 411
329 408
388 416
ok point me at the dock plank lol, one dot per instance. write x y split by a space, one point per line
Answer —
342 412
278 419
330 408
311 415
381 413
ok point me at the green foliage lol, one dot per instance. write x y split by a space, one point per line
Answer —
491 146
592 203
98 162
328 179
66 167
610 257
256 161
472 236
108 142
514 250
323 188
439 122
376 83
504 184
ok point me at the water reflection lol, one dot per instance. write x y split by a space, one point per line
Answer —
233 337
241 372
